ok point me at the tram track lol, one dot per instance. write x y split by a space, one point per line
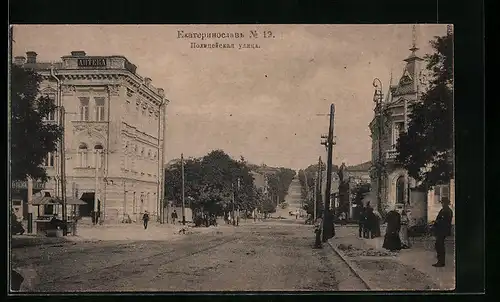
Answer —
126 268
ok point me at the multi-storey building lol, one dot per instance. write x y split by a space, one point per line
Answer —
397 188
114 121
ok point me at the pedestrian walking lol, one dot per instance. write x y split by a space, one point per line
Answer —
145 219
318 227
442 229
174 216
403 233
368 221
371 221
376 227
392 242
361 221
343 218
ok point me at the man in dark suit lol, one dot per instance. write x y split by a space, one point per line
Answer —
442 229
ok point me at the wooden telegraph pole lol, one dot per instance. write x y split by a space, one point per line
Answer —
328 227
183 199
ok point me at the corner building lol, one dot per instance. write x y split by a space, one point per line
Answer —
114 123
398 189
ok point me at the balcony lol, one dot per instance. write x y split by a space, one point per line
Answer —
390 155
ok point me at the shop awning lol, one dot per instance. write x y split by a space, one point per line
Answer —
74 201
45 200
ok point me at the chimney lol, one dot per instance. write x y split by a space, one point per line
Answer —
161 92
78 53
147 81
19 60
31 57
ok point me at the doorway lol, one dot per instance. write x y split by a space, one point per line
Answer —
88 207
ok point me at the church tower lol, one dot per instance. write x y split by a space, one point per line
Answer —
410 79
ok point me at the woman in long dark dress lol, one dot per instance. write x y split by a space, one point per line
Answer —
392 241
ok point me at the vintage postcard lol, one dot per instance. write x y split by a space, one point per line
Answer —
231 158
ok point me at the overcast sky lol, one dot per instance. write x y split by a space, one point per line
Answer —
259 103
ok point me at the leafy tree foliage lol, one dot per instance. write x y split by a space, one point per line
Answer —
425 149
279 183
210 182
31 138
311 173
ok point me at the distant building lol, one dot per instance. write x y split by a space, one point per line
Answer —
113 131
359 173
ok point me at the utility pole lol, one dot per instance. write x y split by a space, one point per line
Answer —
232 201
183 199
96 200
307 191
63 173
317 189
328 227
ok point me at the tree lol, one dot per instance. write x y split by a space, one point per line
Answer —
211 182
192 181
279 182
425 150
268 206
31 138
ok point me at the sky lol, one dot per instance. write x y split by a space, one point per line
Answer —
260 103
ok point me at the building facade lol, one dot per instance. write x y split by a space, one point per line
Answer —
397 188
114 122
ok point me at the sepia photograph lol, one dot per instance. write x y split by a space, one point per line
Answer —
231 158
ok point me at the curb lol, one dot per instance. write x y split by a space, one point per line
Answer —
18 245
351 265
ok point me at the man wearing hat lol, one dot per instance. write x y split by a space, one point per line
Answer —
442 229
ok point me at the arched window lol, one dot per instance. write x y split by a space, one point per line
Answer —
142 152
99 155
83 155
400 190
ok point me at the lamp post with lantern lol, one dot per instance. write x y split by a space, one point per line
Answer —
377 98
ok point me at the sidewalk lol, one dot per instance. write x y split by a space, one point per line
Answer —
20 241
409 269
135 231
119 232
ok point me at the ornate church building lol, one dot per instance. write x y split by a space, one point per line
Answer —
114 123
397 188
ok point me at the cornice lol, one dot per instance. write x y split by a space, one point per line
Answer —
134 81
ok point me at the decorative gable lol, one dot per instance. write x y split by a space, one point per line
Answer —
406 78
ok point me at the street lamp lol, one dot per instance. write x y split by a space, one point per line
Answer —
377 98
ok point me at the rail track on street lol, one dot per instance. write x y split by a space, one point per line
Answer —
132 266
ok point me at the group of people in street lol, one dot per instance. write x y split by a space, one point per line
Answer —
396 236
369 222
